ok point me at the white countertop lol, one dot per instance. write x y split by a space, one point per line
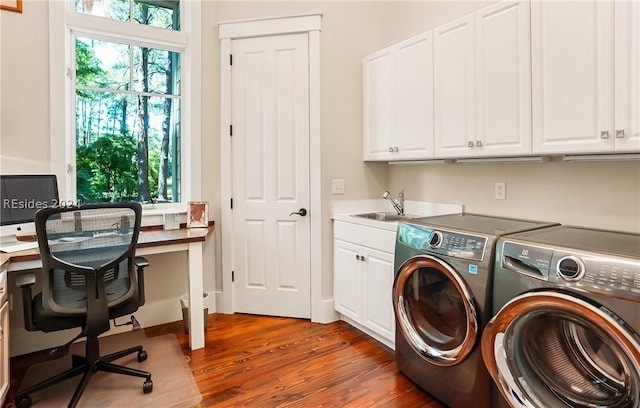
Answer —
343 210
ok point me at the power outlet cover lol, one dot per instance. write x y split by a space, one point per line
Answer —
337 186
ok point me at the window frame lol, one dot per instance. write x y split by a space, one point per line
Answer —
64 25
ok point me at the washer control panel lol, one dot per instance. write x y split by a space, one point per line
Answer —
443 242
603 274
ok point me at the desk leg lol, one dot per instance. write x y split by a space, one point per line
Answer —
196 289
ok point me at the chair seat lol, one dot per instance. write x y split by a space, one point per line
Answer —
48 322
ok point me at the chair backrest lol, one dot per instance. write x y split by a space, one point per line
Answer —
88 257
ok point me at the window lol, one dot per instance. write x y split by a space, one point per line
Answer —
156 13
126 100
127 105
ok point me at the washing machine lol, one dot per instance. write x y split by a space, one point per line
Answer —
565 332
441 300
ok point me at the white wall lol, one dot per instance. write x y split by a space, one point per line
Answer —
596 195
24 55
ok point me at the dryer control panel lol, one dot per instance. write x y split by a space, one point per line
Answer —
609 275
443 242
606 275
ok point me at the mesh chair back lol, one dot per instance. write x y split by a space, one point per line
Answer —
87 255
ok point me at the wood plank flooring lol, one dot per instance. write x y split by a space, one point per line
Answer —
258 361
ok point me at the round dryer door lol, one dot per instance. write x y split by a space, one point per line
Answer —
435 311
555 349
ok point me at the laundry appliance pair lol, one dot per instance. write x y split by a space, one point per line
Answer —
554 311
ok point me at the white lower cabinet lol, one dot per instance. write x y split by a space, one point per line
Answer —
363 278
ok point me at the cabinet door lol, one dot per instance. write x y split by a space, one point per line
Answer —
347 269
378 91
414 104
503 79
572 76
627 76
378 283
454 88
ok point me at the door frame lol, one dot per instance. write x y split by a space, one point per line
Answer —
228 31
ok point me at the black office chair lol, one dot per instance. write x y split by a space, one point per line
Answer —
88 278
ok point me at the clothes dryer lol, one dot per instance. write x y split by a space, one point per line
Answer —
442 300
565 333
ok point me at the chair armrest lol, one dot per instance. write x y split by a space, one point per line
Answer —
25 281
141 263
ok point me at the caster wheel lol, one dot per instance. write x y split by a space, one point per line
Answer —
23 402
147 387
142 356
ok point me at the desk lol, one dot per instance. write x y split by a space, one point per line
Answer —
152 241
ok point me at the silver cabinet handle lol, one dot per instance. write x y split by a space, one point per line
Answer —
604 134
395 149
390 149
470 143
362 258
619 133
358 257
478 143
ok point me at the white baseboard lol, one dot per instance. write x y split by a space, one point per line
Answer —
326 313
389 343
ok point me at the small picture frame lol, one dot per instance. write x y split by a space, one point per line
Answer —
198 214
11 5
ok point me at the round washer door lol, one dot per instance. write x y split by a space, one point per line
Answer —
435 311
556 349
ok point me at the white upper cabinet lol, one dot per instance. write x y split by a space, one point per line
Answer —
627 76
483 83
503 79
454 88
378 104
512 79
585 85
398 101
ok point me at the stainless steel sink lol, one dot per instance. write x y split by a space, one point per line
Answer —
383 216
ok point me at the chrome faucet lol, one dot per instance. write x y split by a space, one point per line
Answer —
397 205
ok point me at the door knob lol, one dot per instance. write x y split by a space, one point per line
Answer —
301 212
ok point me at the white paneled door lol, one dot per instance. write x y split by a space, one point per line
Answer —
270 161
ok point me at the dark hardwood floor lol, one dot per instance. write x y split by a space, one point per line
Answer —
258 361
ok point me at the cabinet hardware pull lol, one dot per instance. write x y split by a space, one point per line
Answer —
390 149
395 149
620 134
358 257
604 134
478 143
470 143
362 258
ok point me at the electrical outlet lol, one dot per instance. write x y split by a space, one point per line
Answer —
500 190
337 186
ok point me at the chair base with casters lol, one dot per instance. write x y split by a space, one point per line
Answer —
92 361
